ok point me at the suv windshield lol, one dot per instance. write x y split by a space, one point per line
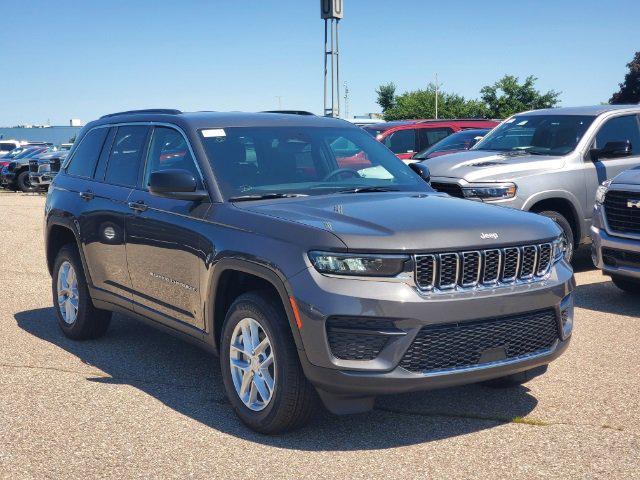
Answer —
537 134
255 161
458 141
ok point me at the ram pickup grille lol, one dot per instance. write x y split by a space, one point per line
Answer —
462 345
622 210
452 189
484 267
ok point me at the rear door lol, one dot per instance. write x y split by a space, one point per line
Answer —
164 246
616 129
430 136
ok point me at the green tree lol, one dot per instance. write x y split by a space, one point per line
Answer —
386 96
629 89
422 104
508 96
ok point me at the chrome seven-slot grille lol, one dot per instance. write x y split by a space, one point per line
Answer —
449 270
622 211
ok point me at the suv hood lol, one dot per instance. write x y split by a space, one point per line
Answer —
482 165
408 221
628 177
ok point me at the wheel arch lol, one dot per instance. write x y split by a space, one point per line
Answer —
562 202
60 233
233 276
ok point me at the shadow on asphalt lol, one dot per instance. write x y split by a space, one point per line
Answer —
188 380
606 297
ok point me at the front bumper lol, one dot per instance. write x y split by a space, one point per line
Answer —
320 297
40 179
602 239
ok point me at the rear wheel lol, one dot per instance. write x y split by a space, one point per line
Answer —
627 284
567 232
23 183
260 367
77 317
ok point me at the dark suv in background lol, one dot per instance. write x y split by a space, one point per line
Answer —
246 234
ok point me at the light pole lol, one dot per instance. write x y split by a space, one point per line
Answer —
331 12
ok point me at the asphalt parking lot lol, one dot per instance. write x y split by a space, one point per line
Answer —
139 403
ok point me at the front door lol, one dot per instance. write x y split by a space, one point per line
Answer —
164 246
617 129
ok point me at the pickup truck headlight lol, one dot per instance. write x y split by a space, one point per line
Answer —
490 191
358 264
602 192
559 246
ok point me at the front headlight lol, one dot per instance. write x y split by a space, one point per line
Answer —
489 191
358 264
559 247
602 192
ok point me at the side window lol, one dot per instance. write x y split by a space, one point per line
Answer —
430 136
402 141
126 154
169 150
620 129
86 155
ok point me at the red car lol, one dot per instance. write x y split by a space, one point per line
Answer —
406 137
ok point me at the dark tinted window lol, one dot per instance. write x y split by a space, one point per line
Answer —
430 136
86 155
6 147
126 154
401 141
169 150
620 129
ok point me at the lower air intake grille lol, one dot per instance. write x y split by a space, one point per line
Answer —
357 338
461 345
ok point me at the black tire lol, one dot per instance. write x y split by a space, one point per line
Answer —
90 322
564 224
22 182
516 379
293 399
626 284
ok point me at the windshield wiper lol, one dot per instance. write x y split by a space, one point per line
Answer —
266 196
369 189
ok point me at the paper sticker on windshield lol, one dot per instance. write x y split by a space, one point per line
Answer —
523 122
213 132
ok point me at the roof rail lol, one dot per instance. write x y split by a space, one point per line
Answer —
289 112
163 111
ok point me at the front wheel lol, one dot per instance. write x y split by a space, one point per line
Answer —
567 232
260 367
23 183
626 284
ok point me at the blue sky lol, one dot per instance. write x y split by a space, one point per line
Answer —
81 59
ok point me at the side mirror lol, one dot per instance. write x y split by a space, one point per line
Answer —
422 170
613 150
178 184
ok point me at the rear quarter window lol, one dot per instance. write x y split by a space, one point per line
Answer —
84 160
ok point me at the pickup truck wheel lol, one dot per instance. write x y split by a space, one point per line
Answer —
515 379
77 317
567 232
627 284
23 183
260 367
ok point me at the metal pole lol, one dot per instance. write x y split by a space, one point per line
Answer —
436 96
325 66
333 69
337 113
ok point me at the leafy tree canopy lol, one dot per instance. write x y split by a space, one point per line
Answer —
386 96
508 96
629 89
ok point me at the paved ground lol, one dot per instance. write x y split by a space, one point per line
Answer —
139 403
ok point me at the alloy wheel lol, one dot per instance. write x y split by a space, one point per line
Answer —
68 293
252 364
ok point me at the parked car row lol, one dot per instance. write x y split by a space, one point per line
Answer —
30 167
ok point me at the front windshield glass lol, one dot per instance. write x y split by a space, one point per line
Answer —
537 134
255 161
463 140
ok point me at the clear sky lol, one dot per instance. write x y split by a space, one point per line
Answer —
67 59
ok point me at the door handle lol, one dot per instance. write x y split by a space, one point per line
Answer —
138 206
88 195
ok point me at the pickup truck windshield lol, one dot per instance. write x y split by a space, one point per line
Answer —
278 162
537 134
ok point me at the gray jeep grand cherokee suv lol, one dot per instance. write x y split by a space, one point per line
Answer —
616 230
546 161
304 253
